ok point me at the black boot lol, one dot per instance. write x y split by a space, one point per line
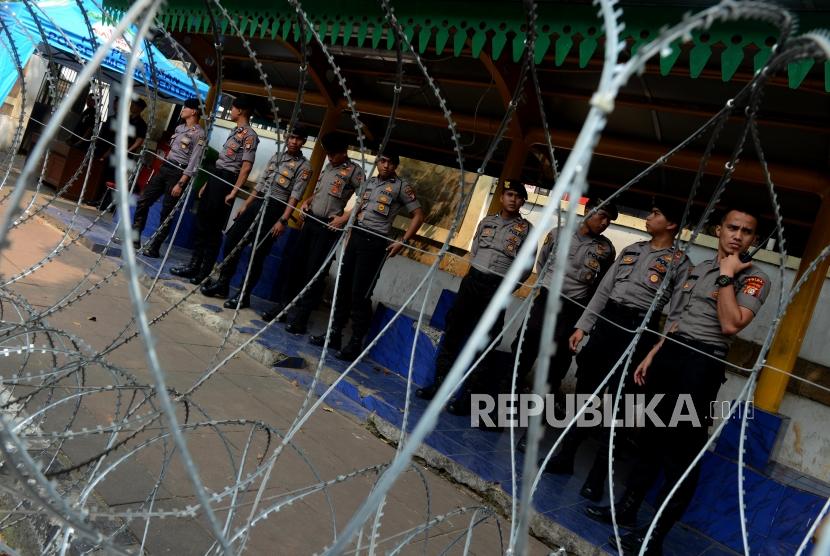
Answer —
295 328
632 541
351 351
460 405
594 484
233 301
271 314
201 273
215 288
428 392
153 249
560 464
335 340
190 269
626 511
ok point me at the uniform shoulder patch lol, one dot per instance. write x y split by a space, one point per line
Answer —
409 191
753 286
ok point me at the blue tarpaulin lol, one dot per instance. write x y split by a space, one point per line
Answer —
64 28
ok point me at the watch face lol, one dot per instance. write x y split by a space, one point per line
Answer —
724 280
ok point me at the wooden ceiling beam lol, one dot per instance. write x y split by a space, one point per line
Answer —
785 176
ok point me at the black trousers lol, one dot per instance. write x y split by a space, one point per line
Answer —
675 371
565 322
474 294
313 245
236 238
362 261
604 348
212 215
160 184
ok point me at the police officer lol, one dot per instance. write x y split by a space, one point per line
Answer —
335 186
367 249
186 146
281 187
623 298
497 240
216 197
589 257
718 299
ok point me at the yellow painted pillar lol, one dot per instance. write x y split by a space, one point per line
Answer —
787 343
512 169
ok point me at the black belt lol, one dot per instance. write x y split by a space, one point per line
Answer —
614 309
371 235
485 277
179 165
711 349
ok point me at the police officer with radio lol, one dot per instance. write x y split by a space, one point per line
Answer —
497 240
368 247
186 147
620 304
216 197
718 299
280 188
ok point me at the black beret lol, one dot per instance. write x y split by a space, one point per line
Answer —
192 103
517 186
393 157
609 208
243 103
671 209
335 142
299 130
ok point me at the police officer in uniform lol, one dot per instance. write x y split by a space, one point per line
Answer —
497 240
186 146
216 197
589 257
335 186
623 297
718 299
281 187
367 249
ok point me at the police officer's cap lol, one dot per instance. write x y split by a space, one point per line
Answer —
335 142
193 104
609 208
299 130
392 156
243 102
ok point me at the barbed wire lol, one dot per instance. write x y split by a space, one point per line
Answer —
57 373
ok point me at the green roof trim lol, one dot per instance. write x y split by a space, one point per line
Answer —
489 28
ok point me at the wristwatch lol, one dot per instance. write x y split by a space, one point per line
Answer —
283 221
724 280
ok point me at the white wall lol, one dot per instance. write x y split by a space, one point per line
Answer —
34 73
